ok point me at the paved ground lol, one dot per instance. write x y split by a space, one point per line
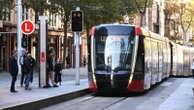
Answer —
67 75
172 94
68 86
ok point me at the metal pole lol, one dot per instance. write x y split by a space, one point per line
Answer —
77 63
77 55
43 50
19 33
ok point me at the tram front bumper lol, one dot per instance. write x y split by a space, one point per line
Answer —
116 83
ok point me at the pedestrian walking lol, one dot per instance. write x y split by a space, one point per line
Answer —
28 74
23 68
192 67
32 64
58 72
13 69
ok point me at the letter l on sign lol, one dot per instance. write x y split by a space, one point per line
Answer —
27 29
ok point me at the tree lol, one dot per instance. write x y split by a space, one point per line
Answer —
141 6
63 8
182 13
95 12
186 18
39 6
100 11
171 8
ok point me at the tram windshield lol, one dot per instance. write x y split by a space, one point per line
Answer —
114 50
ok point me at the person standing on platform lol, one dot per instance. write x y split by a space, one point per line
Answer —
32 63
28 70
58 72
192 67
50 68
23 68
13 69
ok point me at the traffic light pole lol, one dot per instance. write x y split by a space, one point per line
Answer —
76 26
77 63
19 32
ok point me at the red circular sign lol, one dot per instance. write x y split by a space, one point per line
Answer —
27 27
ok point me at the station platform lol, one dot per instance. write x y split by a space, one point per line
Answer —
40 97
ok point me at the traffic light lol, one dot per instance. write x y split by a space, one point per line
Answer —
76 21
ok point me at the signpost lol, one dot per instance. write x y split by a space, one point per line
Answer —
43 47
27 28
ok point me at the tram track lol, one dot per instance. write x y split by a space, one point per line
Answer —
150 99
114 103
90 102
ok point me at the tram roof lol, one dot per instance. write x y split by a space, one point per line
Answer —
145 32
115 24
182 46
153 35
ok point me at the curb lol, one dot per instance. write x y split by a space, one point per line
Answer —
48 101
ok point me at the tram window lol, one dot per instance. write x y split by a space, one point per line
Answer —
114 30
113 47
116 49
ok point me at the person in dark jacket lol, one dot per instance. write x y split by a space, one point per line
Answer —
58 72
13 69
28 74
23 68
32 63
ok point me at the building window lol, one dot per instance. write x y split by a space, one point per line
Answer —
52 19
5 14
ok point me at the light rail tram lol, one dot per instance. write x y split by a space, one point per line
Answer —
123 57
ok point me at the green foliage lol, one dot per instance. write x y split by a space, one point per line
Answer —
141 5
101 11
37 5
95 11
